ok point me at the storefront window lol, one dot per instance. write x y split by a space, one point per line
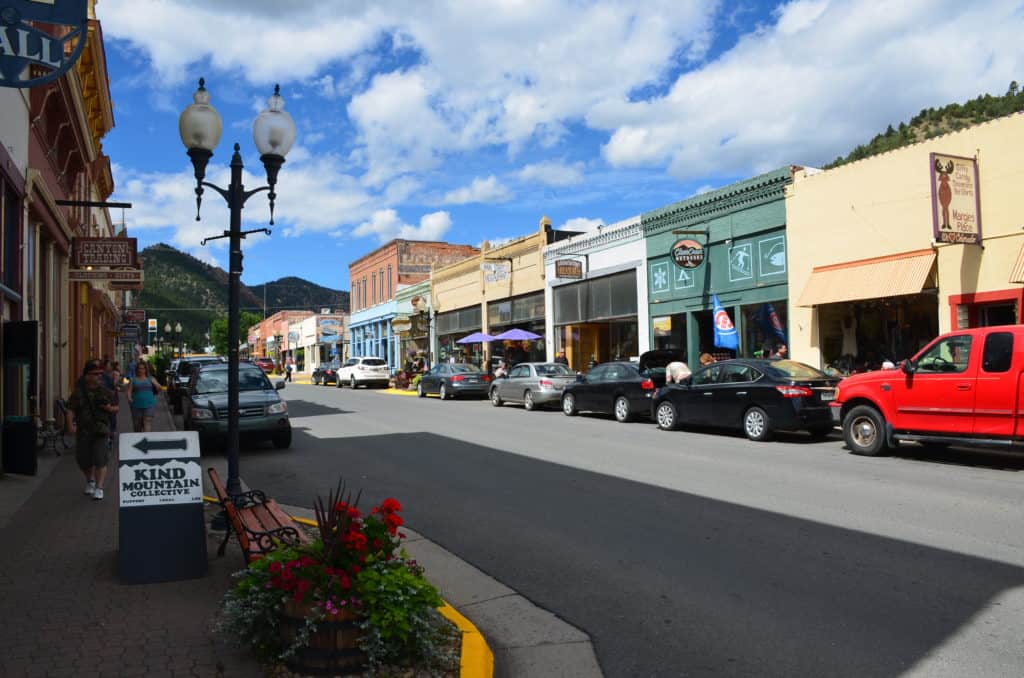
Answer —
764 328
670 332
859 336
598 342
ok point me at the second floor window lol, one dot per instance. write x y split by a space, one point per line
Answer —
390 290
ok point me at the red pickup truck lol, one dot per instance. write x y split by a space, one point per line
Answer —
964 388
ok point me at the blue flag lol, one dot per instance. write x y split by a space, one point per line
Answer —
771 324
725 331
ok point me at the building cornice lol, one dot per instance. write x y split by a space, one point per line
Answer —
588 242
741 195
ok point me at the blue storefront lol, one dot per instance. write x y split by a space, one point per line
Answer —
371 335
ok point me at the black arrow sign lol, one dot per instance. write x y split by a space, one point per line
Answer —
145 445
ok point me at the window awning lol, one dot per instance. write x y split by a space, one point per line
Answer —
1017 272
877 278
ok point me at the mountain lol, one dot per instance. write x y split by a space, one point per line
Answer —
933 122
181 288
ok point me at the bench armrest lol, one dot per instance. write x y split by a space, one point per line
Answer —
248 499
264 542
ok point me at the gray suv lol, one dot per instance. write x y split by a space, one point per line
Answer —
263 414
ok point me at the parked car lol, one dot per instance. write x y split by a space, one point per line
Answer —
621 388
263 414
364 371
961 389
757 396
450 380
179 380
327 373
532 384
265 364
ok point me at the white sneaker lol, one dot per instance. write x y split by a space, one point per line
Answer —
90 488
98 494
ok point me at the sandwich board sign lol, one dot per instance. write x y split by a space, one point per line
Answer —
162 535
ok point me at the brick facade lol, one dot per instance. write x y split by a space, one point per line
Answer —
374 278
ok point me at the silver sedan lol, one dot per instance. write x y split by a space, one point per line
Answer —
532 384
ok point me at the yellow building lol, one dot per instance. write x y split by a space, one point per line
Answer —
500 289
887 252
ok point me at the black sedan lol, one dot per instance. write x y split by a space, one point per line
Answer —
326 373
450 380
620 388
756 396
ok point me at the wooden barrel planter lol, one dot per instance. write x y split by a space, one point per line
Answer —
333 648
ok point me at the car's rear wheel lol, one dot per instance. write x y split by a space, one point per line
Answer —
569 405
282 440
864 431
352 382
528 401
337 381
666 416
495 398
443 391
756 424
623 412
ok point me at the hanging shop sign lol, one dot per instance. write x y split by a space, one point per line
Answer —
135 315
123 275
956 204
30 56
569 268
688 253
104 251
401 324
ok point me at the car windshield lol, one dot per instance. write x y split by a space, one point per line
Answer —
216 381
374 362
464 368
553 370
794 370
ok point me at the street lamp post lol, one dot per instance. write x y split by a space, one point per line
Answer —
181 340
273 132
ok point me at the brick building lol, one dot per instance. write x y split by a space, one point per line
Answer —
373 280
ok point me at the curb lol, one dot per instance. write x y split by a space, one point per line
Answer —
475 658
398 392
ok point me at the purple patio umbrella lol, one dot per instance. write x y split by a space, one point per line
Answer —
516 334
475 338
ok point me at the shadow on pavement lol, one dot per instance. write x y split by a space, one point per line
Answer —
666 583
305 408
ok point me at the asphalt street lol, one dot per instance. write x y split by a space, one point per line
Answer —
692 553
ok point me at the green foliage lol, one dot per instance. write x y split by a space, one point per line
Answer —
933 122
219 330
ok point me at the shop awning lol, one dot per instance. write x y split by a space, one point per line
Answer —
1017 272
890 276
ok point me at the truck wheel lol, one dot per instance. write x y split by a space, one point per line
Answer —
864 431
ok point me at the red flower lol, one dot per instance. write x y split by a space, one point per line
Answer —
390 505
275 567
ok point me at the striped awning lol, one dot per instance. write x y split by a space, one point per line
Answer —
877 278
1017 272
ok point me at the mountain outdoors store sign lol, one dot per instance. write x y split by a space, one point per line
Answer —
30 56
956 203
688 253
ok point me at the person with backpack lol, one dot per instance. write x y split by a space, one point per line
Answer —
90 409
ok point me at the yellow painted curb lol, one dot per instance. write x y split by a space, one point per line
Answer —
398 391
476 659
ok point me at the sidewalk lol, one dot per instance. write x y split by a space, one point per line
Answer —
66 613
64 610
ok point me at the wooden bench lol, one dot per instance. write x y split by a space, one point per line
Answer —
259 523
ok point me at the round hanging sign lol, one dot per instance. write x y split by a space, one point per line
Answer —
688 253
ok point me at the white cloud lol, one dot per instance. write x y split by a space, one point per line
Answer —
387 225
553 173
825 77
488 190
581 224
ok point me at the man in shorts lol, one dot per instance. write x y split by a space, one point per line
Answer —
90 408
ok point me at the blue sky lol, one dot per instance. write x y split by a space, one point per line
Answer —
468 121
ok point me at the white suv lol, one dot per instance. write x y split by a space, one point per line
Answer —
364 371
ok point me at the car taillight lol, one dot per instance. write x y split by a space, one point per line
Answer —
458 377
546 383
487 377
647 385
330 372
794 391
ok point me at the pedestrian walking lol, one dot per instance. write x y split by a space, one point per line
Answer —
561 359
143 389
288 370
90 408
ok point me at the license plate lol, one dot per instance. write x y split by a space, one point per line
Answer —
827 396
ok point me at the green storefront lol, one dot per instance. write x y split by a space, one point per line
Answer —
730 242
